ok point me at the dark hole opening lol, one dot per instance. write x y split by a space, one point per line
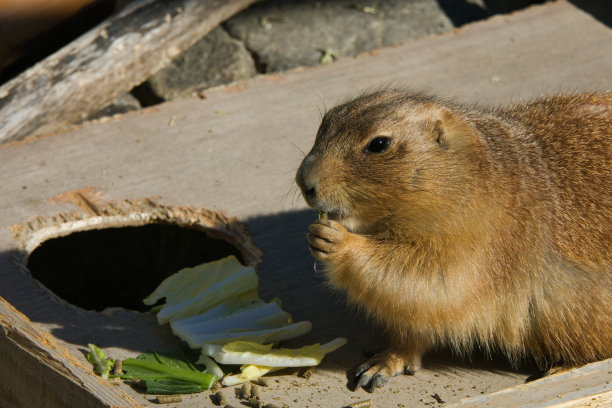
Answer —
121 266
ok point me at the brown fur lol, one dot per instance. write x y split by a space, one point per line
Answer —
476 227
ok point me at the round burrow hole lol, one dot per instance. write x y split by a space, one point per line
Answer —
119 266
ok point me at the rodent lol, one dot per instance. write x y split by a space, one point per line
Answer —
464 226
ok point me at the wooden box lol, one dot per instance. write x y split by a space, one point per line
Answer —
226 162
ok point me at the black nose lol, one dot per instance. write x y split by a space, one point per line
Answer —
307 180
304 176
308 187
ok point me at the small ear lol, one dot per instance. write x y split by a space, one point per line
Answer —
439 134
451 130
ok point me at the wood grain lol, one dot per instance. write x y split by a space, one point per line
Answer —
43 373
587 386
236 151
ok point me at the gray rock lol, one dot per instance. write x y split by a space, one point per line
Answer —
286 34
214 60
122 104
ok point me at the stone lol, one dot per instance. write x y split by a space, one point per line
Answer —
125 103
282 35
214 60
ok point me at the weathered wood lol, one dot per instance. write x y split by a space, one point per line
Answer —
587 386
237 151
37 371
109 60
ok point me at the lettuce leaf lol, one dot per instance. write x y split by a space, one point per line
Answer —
260 322
167 373
242 352
102 364
191 291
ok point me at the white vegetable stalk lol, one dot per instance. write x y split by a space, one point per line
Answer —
265 355
257 316
211 366
189 282
273 335
229 306
248 373
237 284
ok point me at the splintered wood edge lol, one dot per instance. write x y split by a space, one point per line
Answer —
34 349
133 213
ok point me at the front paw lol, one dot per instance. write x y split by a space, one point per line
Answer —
328 240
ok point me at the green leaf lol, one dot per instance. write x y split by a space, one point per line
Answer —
168 373
171 387
102 364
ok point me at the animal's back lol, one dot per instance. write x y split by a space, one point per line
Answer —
574 134
573 309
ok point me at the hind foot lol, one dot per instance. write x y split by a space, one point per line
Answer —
377 371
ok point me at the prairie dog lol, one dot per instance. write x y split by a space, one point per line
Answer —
463 226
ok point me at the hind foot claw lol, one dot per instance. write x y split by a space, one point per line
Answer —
377 371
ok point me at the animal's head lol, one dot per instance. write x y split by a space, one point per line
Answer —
390 160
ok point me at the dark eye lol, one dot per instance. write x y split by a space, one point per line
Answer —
378 145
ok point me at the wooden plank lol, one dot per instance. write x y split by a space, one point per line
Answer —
103 64
37 371
588 386
237 151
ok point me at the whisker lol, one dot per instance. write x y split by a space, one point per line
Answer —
321 112
291 190
292 171
298 148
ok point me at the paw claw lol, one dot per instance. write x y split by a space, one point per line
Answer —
378 370
363 381
408 371
378 381
361 369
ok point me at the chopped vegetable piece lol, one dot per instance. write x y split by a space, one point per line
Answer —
169 387
192 291
167 373
189 282
102 364
149 370
248 373
260 315
263 335
226 308
242 352
259 320
211 367
329 55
